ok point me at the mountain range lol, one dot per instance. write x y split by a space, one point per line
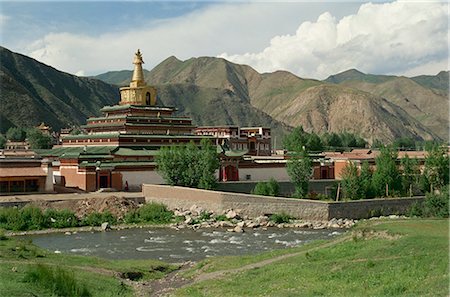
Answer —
214 91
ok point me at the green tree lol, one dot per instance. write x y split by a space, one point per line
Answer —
16 134
404 143
299 168
270 188
332 140
188 165
410 174
314 143
436 171
38 140
351 184
209 163
296 140
2 141
386 178
365 178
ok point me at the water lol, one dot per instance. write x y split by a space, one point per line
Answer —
177 246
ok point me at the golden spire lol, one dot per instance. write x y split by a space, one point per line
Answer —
138 75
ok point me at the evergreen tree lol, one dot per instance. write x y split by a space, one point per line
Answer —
436 171
299 168
365 178
410 173
296 140
2 141
351 185
38 140
16 134
314 143
386 178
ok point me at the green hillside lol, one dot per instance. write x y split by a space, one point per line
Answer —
33 92
296 101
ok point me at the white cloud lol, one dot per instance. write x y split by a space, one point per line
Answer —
398 38
216 28
4 19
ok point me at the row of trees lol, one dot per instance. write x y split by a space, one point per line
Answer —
34 137
393 179
299 140
189 165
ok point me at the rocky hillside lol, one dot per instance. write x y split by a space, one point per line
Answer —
33 92
424 97
320 106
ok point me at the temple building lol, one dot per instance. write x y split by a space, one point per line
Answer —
118 148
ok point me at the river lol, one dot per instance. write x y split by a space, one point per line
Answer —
177 245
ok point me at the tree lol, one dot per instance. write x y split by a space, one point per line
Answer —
299 168
386 178
410 173
2 141
38 140
209 162
436 171
15 134
351 184
188 165
404 142
296 140
332 140
314 143
365 178
270 188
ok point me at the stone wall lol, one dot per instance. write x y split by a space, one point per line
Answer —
255 205
251 205
286 187
371 207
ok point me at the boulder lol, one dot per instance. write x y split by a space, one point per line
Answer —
105 226
241 224
231 214
238 229
188 220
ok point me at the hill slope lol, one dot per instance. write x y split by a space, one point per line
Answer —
32 92
318 106
425 98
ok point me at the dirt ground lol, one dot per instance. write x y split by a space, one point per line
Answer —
117 203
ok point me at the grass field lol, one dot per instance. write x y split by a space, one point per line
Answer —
387 258
99 276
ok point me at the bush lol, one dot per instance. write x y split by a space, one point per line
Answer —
97 218
58 281
220 218
155 213
280 218
270 188
61 218
149 213
434 205
27 218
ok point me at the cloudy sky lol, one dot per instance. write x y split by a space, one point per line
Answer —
312 39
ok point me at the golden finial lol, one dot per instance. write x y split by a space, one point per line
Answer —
138 58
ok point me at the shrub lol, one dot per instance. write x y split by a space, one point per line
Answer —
204 216
131 217
2 235
154 213
98 218
280 218
434 205
270 188
222 217
61 218
58 281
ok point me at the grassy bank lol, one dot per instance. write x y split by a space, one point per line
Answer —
26 270
388 258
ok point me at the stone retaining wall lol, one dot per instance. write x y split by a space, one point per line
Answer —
255 205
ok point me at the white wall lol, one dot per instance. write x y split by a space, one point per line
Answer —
263 174
135 179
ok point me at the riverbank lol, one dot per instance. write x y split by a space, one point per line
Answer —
377 258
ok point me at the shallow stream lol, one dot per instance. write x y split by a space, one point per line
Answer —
177 245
